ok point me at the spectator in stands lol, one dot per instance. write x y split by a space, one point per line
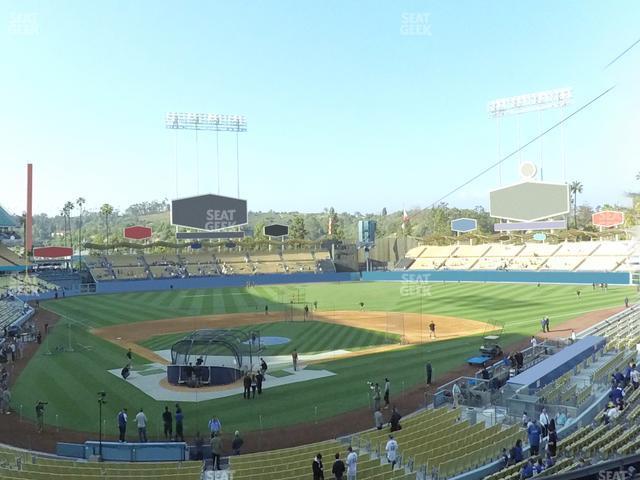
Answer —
533 433
627 373
317 468
561 419
552 443
539 466
611 413
378 419
216 450
141 422
394 421
504 458
516 454
548 463
456 393
525 420
527 470
544 421
236 443
617 395
352 464
338 468
635 377
519 358
392 451
167 422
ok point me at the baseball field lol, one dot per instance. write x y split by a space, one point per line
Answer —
387 337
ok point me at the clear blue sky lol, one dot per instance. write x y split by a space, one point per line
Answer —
343 108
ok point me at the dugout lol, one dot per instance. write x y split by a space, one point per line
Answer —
213 357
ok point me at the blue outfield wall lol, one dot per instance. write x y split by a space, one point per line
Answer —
118 286
499 276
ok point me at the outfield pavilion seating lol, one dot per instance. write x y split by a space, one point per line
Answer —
8 258
566 256
34 466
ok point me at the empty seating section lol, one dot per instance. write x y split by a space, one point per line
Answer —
414 252
10 311
8 258
566 256
18 283
204 263
35 467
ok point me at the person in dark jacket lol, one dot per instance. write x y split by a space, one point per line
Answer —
429 369
317 468
259 380
338 468
167 421
247 386
552 444
516 452
394 421
236 443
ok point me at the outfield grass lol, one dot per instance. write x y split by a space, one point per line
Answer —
69 381
306 337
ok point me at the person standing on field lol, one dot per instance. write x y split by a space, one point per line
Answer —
294 359
387 389
167 421
122 424
141 422
429 372
179 423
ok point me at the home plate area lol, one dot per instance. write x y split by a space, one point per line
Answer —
151 378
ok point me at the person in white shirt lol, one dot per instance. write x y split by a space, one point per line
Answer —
392 451
573 336
544 422
352 464
534 342
141 422
456 393
634 375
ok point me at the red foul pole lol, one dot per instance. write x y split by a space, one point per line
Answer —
29 220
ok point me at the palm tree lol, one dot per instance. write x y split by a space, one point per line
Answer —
80 201
575 188
66 213
106 210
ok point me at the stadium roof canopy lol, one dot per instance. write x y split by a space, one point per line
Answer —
6 219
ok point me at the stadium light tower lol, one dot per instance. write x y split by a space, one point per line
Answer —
207 122
528 103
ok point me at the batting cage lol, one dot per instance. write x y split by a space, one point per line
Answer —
214 357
